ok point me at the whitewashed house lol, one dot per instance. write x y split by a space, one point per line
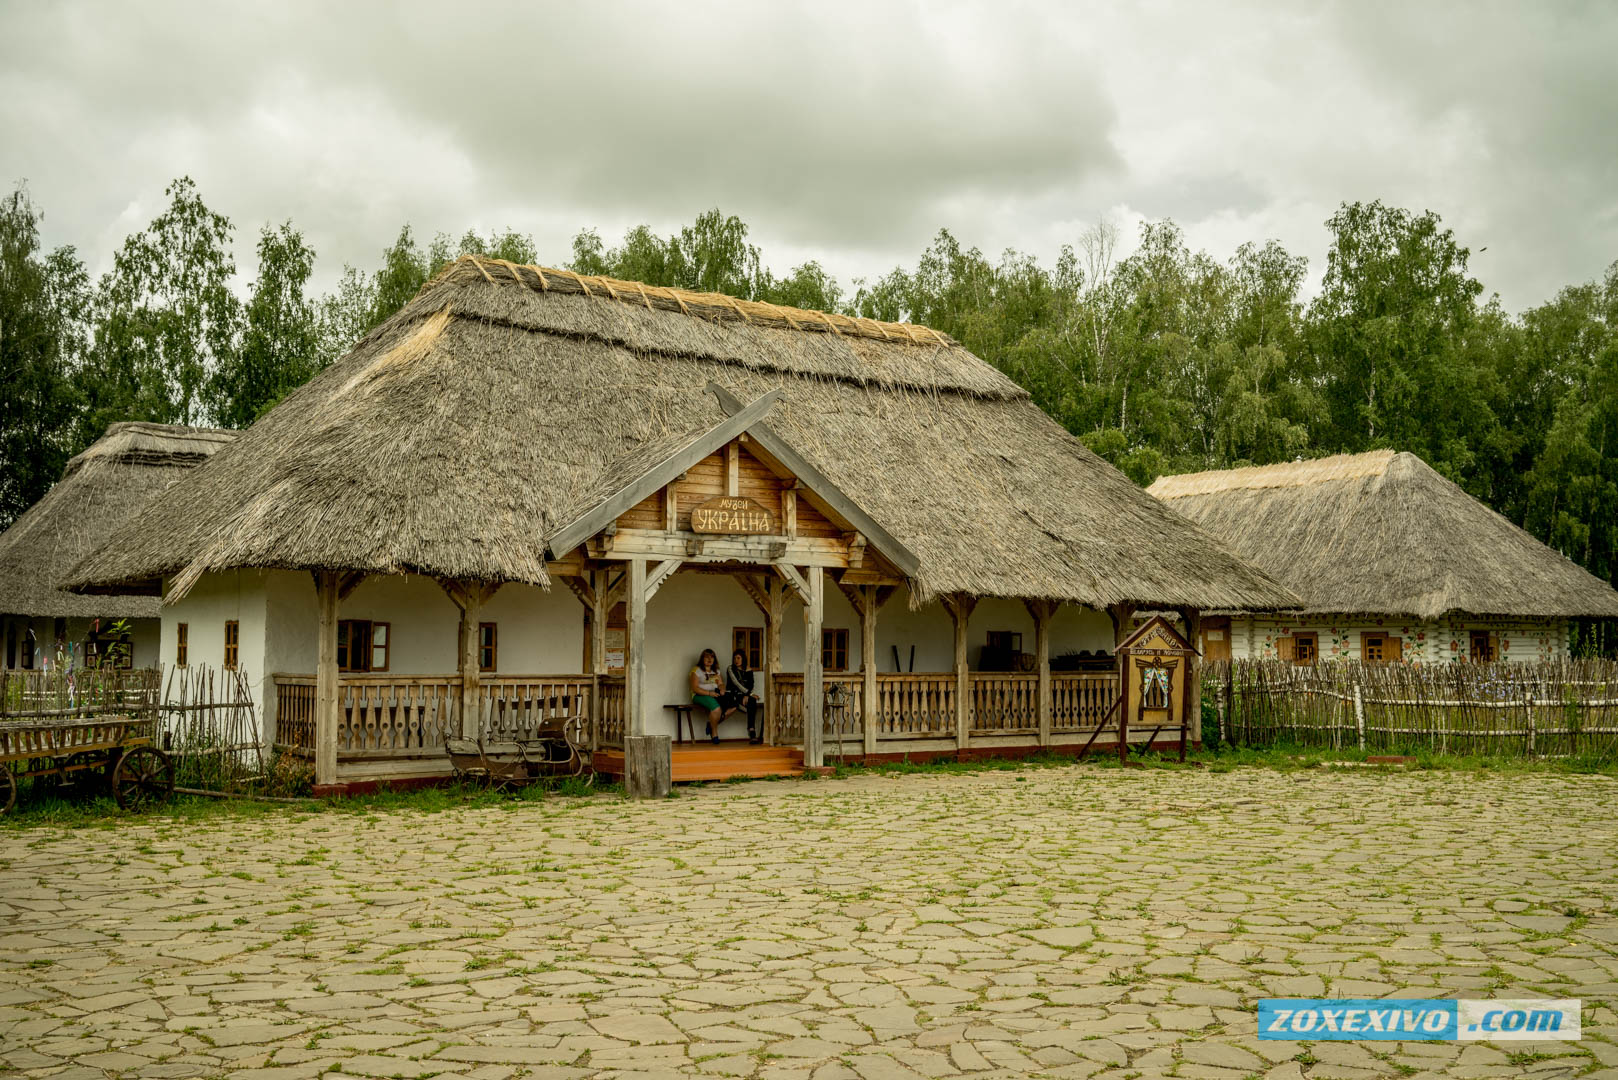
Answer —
532 493
1394 563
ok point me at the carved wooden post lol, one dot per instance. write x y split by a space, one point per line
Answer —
868 702
327 700
960 611
471 706
635 644
814 680
775 609
600 608
1191 618
1043 611
648 761
1121 614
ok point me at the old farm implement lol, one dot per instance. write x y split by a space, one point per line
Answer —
106 740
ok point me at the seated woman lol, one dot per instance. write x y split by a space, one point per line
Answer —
705 689
739 695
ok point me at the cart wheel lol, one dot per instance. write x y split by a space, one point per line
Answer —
8 788
142 776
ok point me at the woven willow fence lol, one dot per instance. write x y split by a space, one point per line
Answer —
1553 709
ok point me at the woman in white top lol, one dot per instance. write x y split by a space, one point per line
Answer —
705 689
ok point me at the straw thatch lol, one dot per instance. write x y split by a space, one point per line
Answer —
460 435
101 489
1382 533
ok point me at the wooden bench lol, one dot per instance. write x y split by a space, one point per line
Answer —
683 712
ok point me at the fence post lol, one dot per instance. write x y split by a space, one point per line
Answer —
1359 713
1528 706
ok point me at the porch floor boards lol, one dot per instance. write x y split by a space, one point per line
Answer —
731 758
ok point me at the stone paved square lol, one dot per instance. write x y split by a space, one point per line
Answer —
1068 922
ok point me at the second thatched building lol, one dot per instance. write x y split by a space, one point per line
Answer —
1393 562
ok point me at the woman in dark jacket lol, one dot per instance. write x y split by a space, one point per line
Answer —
738 694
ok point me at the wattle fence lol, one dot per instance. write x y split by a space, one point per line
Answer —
1553 709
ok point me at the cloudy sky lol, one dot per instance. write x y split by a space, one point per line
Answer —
844 132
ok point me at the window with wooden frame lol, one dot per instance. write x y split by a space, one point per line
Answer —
749 641
108 650
232 644
182 644
1485 647
1381 649
362 645
834 650
488 646
1305 648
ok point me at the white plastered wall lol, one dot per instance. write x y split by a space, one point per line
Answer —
1429 642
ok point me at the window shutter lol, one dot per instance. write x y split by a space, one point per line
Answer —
1394 649
1285 648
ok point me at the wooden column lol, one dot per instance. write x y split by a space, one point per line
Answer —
1121 614
1043 612
471 705
600 608
868 608
635 645
648 760
1192 618
774 610
960 611
814 680
327 690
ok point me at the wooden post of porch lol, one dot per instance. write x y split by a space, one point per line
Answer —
814 680
327 700
1192 618
1043 612
471 705
1121 614
600 607
635 645
648 759
775 608
868 700
960 611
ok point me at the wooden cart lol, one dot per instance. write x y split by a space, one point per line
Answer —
116 750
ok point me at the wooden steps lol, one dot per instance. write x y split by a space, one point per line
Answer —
705 761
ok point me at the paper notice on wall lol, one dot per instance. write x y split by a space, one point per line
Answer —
615 651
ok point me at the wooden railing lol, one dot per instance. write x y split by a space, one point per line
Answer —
915 706
295 712
1004 703
843 718
610 709
396 714
1081 702
920 706
518 706
393 715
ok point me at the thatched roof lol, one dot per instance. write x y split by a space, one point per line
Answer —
100 490
1382 533
493 409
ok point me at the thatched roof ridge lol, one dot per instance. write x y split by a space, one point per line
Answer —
463 433
100 489
1383 533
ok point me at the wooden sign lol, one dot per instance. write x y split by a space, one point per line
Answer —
733 515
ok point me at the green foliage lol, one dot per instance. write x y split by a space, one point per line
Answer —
44 301
280 342
165 317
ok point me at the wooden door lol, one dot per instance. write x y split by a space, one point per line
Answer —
1216 637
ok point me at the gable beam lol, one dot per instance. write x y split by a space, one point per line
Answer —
817 482
649 482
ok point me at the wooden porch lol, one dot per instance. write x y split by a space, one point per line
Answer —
392 727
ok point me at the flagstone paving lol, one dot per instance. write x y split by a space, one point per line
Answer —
1069 922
